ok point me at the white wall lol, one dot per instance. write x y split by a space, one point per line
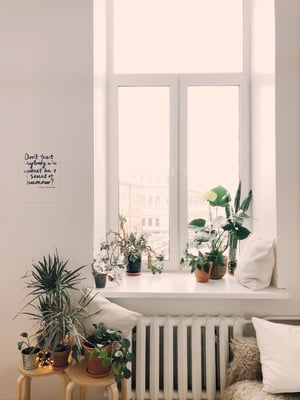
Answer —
46 105
100 111
288 143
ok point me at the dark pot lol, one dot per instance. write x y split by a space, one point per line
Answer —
100 280
134 267
232 264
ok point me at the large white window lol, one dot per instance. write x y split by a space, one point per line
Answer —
179 100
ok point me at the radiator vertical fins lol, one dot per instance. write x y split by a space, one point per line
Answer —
168 359
196 359
182 358
140 359
154 359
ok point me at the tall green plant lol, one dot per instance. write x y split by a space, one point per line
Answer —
236 214
60 319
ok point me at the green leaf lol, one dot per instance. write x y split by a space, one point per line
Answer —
127 373
237 198
246 202
197 223
107 362
125 343
241 232
223 197
228 226
203 237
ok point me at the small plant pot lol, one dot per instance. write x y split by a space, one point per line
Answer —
94 365
218 271
100 280
30 358
134 268
201 276
232 264
60 358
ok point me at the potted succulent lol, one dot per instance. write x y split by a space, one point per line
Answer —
60 318
133 246
29 352
107 350
235 216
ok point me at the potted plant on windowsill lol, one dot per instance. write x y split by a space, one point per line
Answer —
107 350
205 254
108 262
29 352
235 216
133 246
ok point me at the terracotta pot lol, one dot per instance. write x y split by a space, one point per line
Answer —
94 365
201 275
60 358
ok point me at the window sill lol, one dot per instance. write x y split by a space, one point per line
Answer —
183 285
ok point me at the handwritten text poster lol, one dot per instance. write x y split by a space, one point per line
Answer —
40 170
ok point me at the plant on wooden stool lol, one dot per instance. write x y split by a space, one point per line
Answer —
60 319
29 351
111 349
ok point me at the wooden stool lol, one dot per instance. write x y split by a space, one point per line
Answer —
26 376
78 376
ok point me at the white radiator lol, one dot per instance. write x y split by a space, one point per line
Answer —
181 358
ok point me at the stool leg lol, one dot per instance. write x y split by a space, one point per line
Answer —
124 389
114 391
82 392
69 388
19 387
27 388
65 381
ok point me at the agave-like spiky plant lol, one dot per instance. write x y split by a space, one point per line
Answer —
60 318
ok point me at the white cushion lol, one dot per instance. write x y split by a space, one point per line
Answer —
112 315
256 264
279 346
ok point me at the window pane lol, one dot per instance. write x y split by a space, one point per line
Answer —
213 143
164 36
144 162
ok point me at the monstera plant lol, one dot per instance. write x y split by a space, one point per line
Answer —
235 215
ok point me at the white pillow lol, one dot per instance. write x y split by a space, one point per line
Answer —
112 315
279 346
256 264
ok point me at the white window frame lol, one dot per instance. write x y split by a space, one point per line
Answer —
178 85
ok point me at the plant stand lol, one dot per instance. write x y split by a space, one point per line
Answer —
78 376
26 376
